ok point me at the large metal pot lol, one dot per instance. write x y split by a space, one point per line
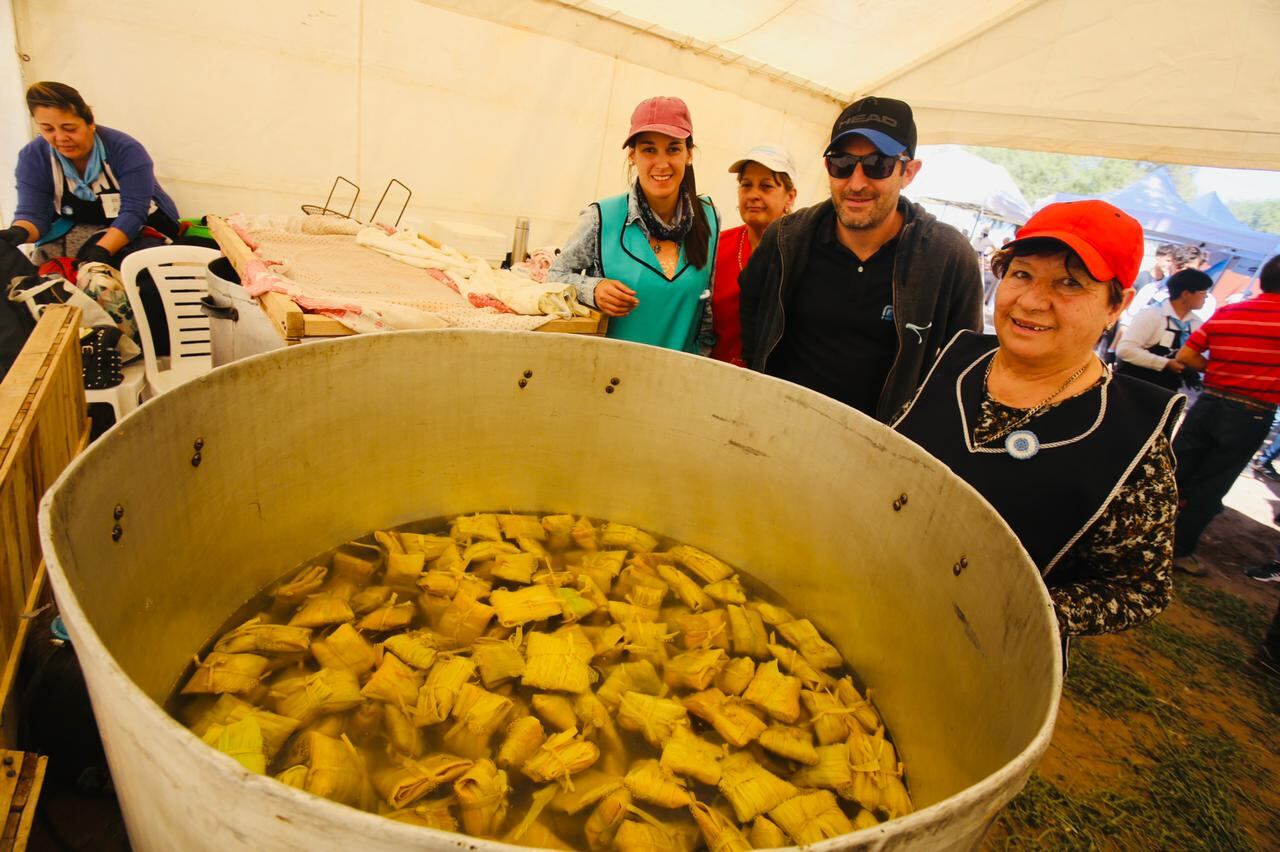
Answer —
175 517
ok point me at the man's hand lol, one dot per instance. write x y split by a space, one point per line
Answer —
615 299
1174 366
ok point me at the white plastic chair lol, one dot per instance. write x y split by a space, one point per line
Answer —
179 276
124 397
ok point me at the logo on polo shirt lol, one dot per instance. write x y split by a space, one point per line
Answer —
887 313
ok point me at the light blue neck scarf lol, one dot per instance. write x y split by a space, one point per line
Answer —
81 187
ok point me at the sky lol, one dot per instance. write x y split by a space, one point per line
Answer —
1238 184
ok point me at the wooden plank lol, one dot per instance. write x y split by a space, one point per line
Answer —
597 323
21 779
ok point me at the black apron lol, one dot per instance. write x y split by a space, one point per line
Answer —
1162 378
1052 498
93 213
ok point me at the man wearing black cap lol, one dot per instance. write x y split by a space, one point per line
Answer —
855 297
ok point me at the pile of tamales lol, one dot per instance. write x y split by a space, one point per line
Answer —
548 681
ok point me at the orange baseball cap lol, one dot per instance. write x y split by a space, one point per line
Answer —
1108 240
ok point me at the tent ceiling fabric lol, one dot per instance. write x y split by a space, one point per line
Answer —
1177 81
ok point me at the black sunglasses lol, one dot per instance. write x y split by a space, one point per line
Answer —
875 166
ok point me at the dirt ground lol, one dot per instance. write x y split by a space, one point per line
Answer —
1167 736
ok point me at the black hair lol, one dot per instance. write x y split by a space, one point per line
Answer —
1002 257
1186 256
1188 281
59 96
698 244
1269 276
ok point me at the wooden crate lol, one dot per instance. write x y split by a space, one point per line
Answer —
295 324
21 778
42 414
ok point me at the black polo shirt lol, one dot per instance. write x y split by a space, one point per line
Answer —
839 336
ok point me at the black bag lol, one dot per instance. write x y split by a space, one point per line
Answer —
100 358
16 322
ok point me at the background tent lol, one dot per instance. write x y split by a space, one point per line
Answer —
952 175
491 109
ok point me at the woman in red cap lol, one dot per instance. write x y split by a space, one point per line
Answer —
645 257
1074 458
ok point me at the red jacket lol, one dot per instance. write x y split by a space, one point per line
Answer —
732 254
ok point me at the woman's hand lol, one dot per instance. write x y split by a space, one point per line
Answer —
615 299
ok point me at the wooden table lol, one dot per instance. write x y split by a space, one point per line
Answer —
295 324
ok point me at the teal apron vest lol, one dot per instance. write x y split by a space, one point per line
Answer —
670 311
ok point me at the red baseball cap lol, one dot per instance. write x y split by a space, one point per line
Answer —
1108 240
661 115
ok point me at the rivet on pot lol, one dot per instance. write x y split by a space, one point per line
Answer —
196 459
528 374
199 444
116 532
608 389
903 498
10 773
615 381
964 562
8 760
897 505
522 382
959 566
118 512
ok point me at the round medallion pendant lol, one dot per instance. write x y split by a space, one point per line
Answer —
1022 444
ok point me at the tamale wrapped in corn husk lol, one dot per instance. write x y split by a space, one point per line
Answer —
653 718
441 583
686 589
254 636
747 633
561 756
554 579
413 779
538 835
364 722
773 615
863 710
750 788
627 537
865 819
596 722
322 610
227 673
555 710
515 567
391 616
333 725
573 606
559 529
440 690
404 570
585 535
603 822
294 776
688 754
588 788
417 648
649 782
404 736
830 718
609 642
464 620
790 742
388 541
707 567
794 663
804 637
523 739
639 575
241 740
718 831
345 649
647 640
729 716
335 769
877 775
697 669
498 660
728 591
705 629
306 582
647 597
482 794
832 770
485 551
775 693
228 709
588 589
368 599
811 817
450 561
326 691
467 528
395 682
765 835
607 563
531 603
622 612
557 662
578 638
522 526
736 675
656 836
429 545
355 568
437 813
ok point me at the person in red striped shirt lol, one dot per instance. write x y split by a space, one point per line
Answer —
1233 415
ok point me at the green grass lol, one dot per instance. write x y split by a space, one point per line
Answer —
1224 609
1095 680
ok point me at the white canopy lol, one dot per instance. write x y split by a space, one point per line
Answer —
952 175
492 109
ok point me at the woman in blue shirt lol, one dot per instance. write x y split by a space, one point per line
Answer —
645 257
83 189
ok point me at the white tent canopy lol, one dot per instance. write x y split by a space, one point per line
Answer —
952 175
492 109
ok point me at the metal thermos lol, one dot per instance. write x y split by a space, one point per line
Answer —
520 243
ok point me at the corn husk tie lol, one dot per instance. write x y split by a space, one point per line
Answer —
560 757
482 793
413 779
811 817
719 831
226 673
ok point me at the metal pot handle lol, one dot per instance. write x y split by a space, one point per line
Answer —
210 308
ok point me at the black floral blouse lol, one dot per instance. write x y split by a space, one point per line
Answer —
1119 573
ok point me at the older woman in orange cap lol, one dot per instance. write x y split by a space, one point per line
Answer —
1076 459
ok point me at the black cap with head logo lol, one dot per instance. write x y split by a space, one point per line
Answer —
884 122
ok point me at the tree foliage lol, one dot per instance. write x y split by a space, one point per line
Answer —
1261 215
1042 173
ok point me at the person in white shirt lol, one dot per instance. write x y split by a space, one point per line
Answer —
1148 348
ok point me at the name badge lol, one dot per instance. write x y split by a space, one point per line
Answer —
110 204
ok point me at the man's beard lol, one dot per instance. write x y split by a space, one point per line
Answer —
871 217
